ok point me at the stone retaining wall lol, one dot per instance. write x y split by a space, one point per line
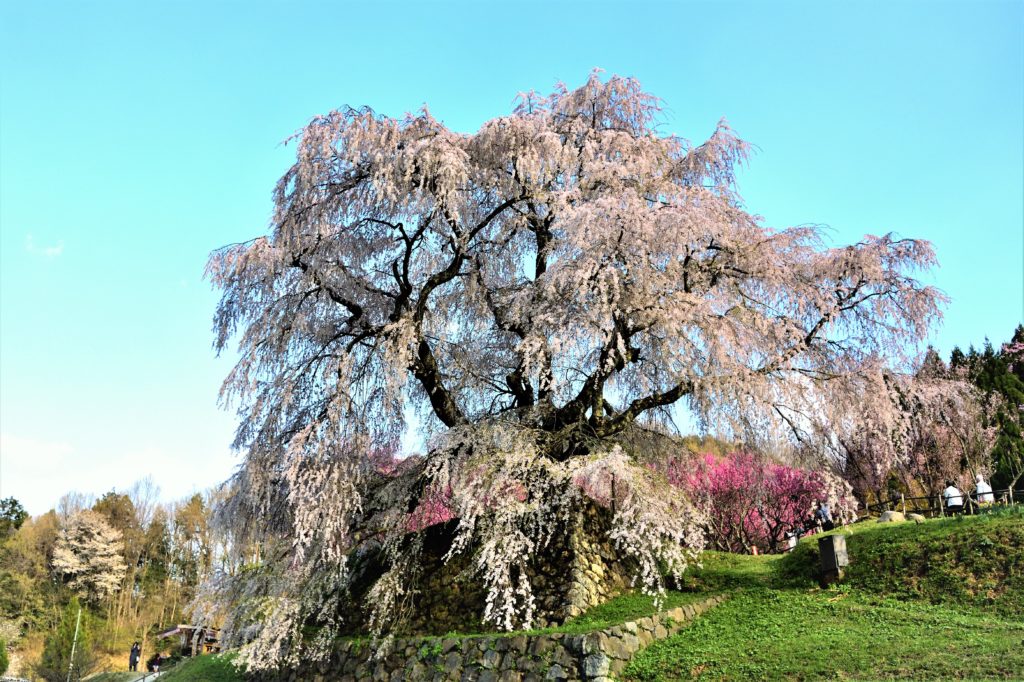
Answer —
595 656
573 574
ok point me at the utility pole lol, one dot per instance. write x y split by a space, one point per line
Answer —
74 643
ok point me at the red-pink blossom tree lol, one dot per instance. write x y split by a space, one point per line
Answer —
534 289
754 501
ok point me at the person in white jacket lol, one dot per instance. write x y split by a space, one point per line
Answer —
954 498
983 491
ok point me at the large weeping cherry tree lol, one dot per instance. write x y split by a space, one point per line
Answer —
534 289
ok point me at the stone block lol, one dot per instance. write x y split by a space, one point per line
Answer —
453 662
595 665
490 660
595 642
618 650
564 658
517 644
556 672
575 643
541 645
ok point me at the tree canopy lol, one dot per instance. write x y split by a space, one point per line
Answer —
999 375
534 289
88 555
12 515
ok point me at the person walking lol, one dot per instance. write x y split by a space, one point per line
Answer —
954 498
134 656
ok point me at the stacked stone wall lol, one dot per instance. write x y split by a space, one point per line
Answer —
568 578
596 656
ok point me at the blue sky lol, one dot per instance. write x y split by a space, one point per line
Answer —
137 137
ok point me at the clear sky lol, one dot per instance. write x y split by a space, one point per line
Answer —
136 137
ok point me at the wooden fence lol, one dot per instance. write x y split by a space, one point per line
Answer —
933 506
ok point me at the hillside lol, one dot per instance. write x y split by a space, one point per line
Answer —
937 600
973 561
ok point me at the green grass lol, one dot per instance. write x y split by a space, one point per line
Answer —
721 571
115 677
626 607
973 561
791 634
211 668
936 600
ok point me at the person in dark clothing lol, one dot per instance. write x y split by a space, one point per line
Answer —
134 656
823 516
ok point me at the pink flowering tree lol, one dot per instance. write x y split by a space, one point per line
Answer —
534 289
754 501
950 439
937 431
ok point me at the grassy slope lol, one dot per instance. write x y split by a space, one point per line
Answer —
975 561
936 600
842 634
213 668
626 607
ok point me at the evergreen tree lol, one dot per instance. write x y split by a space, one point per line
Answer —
957 359
1000 376
12 515
57 658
